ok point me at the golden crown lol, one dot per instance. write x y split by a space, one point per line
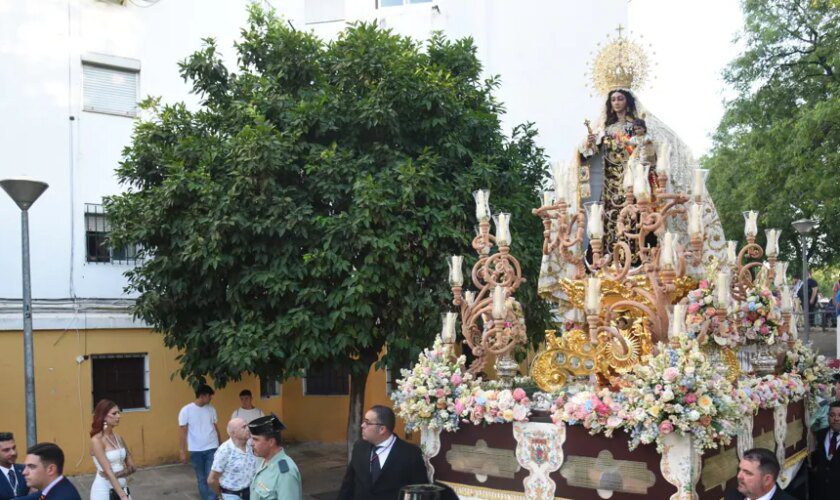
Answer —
620 64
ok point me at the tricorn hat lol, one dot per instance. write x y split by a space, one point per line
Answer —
268 424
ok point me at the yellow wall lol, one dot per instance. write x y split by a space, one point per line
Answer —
64 401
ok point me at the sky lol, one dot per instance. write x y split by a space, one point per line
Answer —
692 43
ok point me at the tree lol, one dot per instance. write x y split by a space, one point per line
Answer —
303 213
777 148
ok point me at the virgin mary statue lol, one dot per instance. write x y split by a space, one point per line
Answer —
626 132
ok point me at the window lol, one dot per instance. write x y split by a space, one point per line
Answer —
393 3
110 84
269 387
122 378
97 247
327 380
323 11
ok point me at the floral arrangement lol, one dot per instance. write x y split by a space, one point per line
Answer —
775 390
436 392
813 369
597 410
679 390
759 316
701 318
498 406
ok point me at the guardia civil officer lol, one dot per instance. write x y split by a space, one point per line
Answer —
278 477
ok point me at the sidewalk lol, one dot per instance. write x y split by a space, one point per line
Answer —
321 468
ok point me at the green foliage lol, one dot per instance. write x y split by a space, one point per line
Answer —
777 148
304 212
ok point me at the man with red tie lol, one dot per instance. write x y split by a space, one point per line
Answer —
825 461
43 470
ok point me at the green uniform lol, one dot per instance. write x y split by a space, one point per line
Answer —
277 479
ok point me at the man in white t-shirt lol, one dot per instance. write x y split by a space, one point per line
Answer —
248 412
200 436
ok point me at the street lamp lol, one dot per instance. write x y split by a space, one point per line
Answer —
24 192
803 227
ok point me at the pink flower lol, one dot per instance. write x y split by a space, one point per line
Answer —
456 379
711 311
518 394
690 398
602 409
704 284
440 393
459 407
693 308
666 427
670 374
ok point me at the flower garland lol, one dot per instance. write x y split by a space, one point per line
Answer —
495 406
436 392
759 316
775 390
701 317
679 390
597 410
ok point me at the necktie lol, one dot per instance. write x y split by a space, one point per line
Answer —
375 466
832 446
13 480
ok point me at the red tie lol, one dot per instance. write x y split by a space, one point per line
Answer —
832 446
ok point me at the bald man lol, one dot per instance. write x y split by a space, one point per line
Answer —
234 464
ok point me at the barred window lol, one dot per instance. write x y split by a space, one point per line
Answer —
269 387
97 247
327 380
122 378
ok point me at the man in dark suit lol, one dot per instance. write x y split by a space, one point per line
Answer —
43 469
825 460
12 484
757 474
381 463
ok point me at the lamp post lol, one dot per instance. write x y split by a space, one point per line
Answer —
24 192
803 227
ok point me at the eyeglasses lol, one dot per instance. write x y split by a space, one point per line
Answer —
367 422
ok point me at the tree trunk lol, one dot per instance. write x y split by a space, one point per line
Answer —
358 382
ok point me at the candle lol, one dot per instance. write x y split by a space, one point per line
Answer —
629 172
482 208
469 296
750 223
773 241
593 295
448 332
456 276
641 186
594 221
561 176
780 274
723 293
732 252
698 187
678 320
547 198
787 300
502 229
663 160
499 308
666 251
695 219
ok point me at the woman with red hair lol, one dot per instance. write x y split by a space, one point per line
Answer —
110 454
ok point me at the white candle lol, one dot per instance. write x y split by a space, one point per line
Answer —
772 249
663 160
594 221
750 223
456 276
593 295
469 296
666 251
629 174
481 203
698 187
678 320
787 300
561 176
695 219
503 229
499 308
780 274
547 198
641 186
723 293
572 188
732 252
448 332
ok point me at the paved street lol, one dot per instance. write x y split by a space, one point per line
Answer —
321 467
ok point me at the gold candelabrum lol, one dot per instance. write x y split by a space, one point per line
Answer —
492 323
